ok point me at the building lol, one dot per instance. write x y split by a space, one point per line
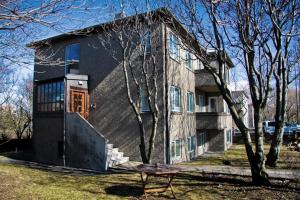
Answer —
82 117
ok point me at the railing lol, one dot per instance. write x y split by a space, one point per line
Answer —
213 120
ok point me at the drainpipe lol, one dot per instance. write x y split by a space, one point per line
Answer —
64 124
166 99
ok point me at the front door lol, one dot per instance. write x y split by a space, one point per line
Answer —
78 102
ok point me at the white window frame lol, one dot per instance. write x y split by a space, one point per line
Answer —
188 60
175 108
202 107
209 104
199 65
175 149
173 43
190 107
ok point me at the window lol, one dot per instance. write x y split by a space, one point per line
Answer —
228 136
213 107
190 102
226 76
175 99
50 97
146 41
176 149
174 50
144 104
72 57
191 146
201 139
199 64
200 103
188 60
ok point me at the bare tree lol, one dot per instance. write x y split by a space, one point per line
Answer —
236 29
284 17
19 108
135 40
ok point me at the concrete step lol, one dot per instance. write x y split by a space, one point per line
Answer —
109 146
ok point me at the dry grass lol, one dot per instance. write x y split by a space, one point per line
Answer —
237 156
21 182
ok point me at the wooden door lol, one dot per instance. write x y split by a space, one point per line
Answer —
79 102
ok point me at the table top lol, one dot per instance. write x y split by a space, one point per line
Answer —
157 169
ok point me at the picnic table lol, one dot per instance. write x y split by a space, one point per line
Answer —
157 170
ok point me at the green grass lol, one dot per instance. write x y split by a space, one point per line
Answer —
21 182
237 156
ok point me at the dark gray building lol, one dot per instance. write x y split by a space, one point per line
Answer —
82 117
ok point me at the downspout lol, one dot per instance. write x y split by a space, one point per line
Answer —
167 136
64 124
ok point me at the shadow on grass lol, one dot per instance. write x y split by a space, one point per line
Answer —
125 190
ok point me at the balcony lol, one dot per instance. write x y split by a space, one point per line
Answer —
213 120
204 81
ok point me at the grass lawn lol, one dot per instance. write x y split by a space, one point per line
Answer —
237 156
21 182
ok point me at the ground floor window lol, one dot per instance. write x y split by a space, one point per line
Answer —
201 139
176 149
50 96
191 146
228 136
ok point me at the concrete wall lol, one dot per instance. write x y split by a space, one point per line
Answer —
85 147
48 132
182 124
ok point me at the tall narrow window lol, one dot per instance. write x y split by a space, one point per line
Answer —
174 50
146 41
175 99
72 57
190 102
213 104
144 104
188 60
201 139
176 149
201 103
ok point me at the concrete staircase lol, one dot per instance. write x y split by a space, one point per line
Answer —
114 157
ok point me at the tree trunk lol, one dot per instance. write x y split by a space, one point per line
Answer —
257 163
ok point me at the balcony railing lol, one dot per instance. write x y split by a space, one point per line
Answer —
213 120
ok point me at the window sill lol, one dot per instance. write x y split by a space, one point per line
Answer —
190 112
176 112
176 60
191 70
145 112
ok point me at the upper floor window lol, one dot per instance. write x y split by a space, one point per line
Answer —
190 101
146 41
188 60
213 104
144 104
50 97
174 50
200 64
175 99
72 57
226 75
